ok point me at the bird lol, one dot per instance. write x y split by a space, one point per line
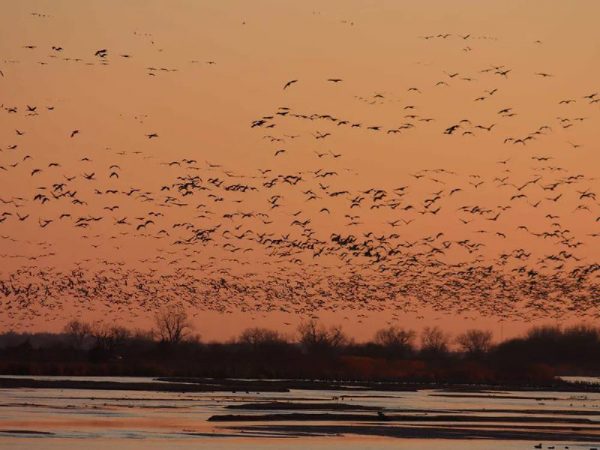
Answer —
451 129
229 236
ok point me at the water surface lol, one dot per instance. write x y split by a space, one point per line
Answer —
98 419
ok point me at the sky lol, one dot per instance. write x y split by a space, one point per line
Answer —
150 154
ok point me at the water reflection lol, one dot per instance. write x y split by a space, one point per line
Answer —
427 419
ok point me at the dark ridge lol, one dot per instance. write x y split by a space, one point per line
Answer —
409 432
266 406
380 417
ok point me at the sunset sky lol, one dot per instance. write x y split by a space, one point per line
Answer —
142 165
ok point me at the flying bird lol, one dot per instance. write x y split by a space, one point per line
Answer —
289 83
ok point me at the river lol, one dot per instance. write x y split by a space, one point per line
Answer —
66 419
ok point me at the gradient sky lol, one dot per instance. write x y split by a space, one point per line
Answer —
199 73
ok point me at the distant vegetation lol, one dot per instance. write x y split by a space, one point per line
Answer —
316 352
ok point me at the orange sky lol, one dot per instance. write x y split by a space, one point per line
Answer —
203 112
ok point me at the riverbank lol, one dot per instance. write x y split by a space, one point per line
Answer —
234 385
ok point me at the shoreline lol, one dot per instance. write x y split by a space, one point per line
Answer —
532 434
576 422
179 384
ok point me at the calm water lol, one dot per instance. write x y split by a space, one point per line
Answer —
90 419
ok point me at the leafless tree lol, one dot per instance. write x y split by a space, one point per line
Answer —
396 340
78 333
172 324
316 337
108 336
434 341
475 342
260 336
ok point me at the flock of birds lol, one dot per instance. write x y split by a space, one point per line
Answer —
499 242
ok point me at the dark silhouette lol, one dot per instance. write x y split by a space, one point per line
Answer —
475 343
172 325
318 352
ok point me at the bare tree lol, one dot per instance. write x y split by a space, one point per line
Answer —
475 342
396 340
260 336
434 341
172 324
78 333
545 332
316 337
109 337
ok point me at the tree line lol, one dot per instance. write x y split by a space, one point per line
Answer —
171 348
